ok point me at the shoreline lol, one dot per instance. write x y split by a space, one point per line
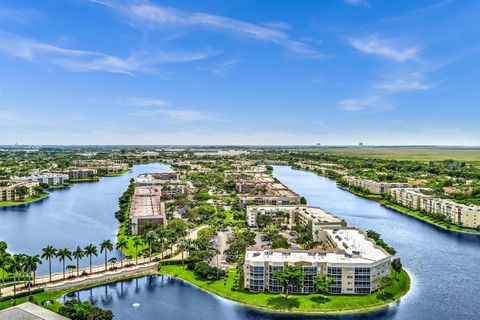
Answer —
401 209
359 310
21 203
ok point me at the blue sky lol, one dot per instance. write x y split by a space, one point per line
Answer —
239 72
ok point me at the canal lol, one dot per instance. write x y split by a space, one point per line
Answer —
445 268
69 217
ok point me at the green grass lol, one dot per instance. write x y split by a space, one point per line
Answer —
39 297
27 200
427 218
61 186
311 303
425 154
117 174
95 179
122 234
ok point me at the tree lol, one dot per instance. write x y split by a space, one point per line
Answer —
76 310
78 254
136 243
21 191
322 282
4 256
384 283
122 244
106 246
397 265
62 255
14 265
262 220
49 253
289 276
90 251
303 201
112 262
30 267
150 238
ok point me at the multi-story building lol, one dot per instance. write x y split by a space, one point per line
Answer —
81 173
418 199
52 179
146 209
9 189
355 262
374 187
315 219
264 190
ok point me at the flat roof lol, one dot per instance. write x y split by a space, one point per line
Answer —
314 213
29 311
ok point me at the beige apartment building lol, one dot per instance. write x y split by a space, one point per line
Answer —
146 209
374 187
9 192
417 199
81 173
264 190
355 262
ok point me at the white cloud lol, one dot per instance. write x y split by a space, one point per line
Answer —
357 3
155 16
385 48
21 16
83 60
162 107
142 102
415 82
368 103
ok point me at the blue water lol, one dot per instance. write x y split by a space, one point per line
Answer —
444 266
79 215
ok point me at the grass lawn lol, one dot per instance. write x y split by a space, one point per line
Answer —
61 186
424 154
131 248
27 200
39 297
427 218
117 174
84 180
313 303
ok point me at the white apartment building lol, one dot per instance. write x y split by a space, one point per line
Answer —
355 262
415 199
374 187
315 219
52 179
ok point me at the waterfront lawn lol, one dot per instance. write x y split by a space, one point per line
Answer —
130 250
84 180
39 298
427 218
117 174
313 303
26 200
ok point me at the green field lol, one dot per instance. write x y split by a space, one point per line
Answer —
471 155
84 180
27 200
311 303
117 174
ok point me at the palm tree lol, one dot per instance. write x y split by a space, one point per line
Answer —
89 251
78 254
183 244
49 252
30 266
62 255
70 268
121 245
112 262
4 258
137 242
14 266
105 246
128 258
150 237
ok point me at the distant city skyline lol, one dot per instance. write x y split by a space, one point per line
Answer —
334 72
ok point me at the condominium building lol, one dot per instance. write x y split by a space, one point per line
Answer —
81 173
264 190
52 179
374 187
354 261
418 199
9 189
315 219
146 209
